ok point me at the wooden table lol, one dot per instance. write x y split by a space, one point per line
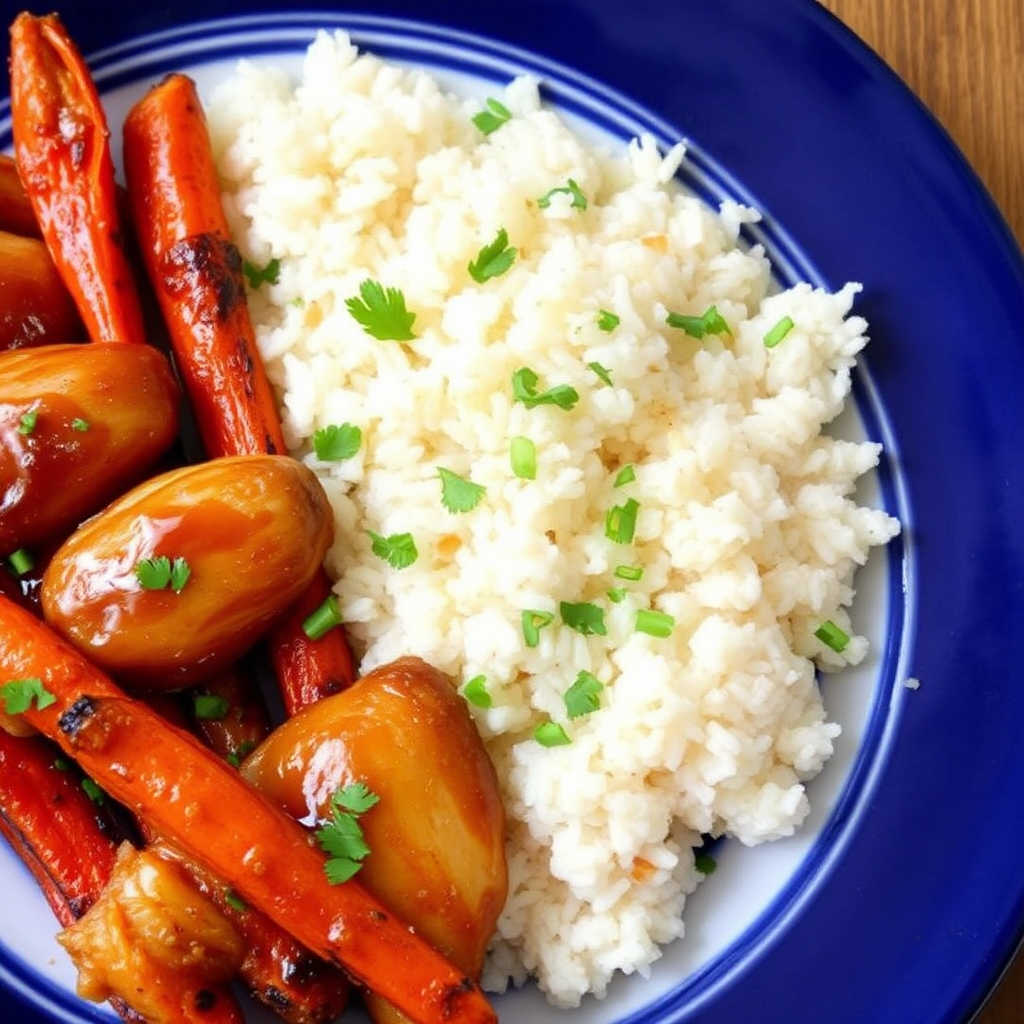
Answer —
965 60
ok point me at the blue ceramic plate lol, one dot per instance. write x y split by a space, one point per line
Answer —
903 897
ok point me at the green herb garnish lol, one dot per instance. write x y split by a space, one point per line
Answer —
20 562
655 623
633 573
493 259
705 863
79 425
551 734
397 549
709 322
269 273
28 421
92 790
570 188
617 595
381 312
584 696
234 901
533 622
20 694
492 117
341 835
607 321
524 389
583 616
602 372
210 707
475 691
337 442
523 456
323 618
778 332
626 475
620 521
832 636
161 573
459 494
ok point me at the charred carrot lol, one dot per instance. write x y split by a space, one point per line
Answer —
16 213
35 306
196 271
61 144
198 803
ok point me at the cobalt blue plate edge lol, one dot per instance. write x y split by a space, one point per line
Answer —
925 909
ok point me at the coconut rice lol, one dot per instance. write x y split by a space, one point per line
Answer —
747 531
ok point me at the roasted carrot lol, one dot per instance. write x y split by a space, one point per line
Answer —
199 804
61 144
196 271
16 213
229 713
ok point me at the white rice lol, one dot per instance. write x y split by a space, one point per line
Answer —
748 532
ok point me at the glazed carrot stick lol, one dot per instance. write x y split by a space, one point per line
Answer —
199 804
63 156
229 714
196 271
16 213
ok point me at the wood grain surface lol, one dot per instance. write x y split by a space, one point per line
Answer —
965 60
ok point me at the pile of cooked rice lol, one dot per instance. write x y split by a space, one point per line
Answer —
693 456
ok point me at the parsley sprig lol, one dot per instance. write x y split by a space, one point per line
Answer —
458 493
524 389
161 573
397 549
269 273
341 835
19 695
337 442
381 312
493 259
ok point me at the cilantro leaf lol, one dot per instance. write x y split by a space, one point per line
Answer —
341 835
583 616
524 389
493 259
268 274
160 573
355 798
337 442
570 188
397 549
492 117
381 312
584 696
19 694
459 494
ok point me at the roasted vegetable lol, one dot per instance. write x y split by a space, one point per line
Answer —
16 213
196 272
63 155
180 576
437 834
77 424
188 795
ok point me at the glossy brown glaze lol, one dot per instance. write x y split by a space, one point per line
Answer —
98 417
437 834
252 529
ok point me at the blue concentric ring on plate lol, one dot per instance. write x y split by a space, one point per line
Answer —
206 50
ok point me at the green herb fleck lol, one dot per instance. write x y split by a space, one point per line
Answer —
705 863
493 259
28 421
533 622
459 494
269 273
492 117
709 322
210 707
341 835
19 695
584 696
626 475
161 573
234 901
80 425
397 549
655 623
523 456
583 616
603 373
337 442
607 320
617 595
832 636
381 312
240 753
475 691
524 389
20 562
620 521
570 188
633 573
778 332
551 734
92 791
323 618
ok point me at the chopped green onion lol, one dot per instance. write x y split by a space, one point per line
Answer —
381 312
523 456
626 475
620 521
602 372
607 321
323 618
524 389
570 188
709 322
240 753
233 900
583 616
459 494
778 332
61 764
210 707
633 573
705 863
92 790
492 117
493 259
617 595
551 734
79 425
337 441
397 549
19 694
475 691
654 623
27 423
533 622
21 562
584 696
832 636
